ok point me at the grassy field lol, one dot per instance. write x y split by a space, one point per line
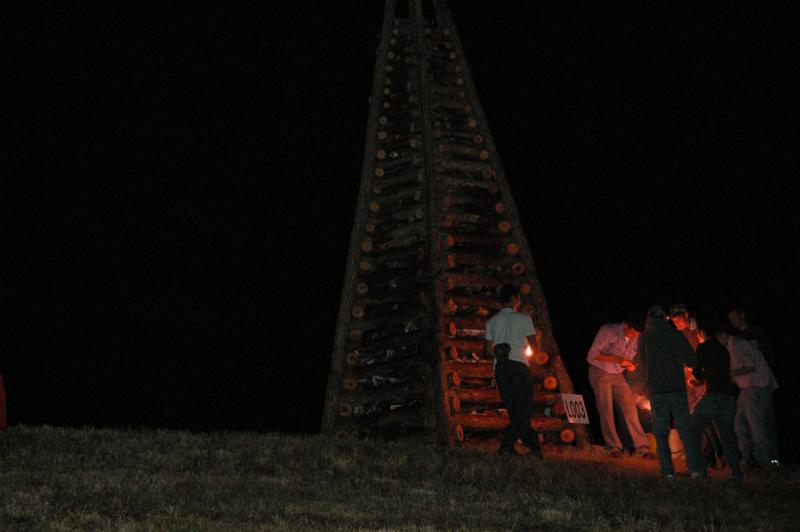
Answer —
66 479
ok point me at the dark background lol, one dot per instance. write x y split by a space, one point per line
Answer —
186 177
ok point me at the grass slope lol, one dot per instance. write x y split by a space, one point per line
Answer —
66 479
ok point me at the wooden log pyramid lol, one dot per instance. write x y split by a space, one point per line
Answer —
436 232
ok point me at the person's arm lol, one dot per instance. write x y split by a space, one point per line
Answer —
488 348
698 372
743 361
599 345
742 370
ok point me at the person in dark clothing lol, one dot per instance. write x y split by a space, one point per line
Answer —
509 333
718 404
665 353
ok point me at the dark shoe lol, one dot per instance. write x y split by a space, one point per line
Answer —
697 475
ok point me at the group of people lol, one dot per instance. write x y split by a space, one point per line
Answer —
698 377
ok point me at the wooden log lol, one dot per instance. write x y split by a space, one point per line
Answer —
397 393
404 303
465 185
406 162
492 396
466 302
389 185
387 375
464 152
499 263
383 227
481 369
400 138
464 345
464 137
400 199
392 263
395 120
366 408
478 201
448 122
370 358
472 240
455 281
492 422
541 358
539 373
550 383
458 326
385 232
398 243
398 153
378 335
389 282
404 214
469 221
451 105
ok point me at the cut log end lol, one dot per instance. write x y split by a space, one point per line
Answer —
541 358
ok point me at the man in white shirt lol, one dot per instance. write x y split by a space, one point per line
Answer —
508 335
612 352
756 383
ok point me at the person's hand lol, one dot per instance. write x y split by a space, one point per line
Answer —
627 364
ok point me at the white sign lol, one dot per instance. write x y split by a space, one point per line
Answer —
574 408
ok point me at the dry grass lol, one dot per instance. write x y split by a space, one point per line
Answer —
66 479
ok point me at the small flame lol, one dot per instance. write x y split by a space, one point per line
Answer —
529 351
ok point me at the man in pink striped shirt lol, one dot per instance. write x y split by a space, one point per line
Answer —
611 354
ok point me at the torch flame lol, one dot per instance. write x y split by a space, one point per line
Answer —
529 351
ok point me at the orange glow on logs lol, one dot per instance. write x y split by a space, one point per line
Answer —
541 358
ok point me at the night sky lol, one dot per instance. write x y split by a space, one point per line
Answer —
180 183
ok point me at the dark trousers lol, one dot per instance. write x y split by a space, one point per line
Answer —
719 408
516 391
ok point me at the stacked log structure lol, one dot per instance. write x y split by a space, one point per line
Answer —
436 233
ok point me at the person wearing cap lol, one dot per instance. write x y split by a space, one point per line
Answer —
611 354
683 322
664 354
756 384
508 335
